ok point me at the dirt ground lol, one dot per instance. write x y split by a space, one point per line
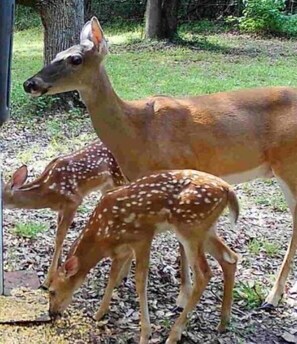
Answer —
261 238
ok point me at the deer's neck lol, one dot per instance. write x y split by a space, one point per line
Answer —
88 251
112 118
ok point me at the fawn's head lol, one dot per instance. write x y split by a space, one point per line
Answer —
72 68
16 181
65 281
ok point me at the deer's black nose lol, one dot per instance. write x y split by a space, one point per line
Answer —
30 85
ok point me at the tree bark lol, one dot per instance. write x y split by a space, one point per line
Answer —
62 21
153 19
88 10
161 19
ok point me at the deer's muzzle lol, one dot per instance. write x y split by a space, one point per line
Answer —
35 86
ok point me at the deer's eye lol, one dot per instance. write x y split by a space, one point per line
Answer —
76 60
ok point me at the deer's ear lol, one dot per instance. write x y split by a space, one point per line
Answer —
93 32
97 32
19 177
71 266
85 33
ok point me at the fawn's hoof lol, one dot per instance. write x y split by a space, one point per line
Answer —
177 309
100 315
266 306
43 287
222 328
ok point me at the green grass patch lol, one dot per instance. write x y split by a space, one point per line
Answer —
257 245
198 63
250 294
83 209
276 201
29 229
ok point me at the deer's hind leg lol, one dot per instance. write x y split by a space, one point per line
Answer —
287 179
185 279
201 276
228 261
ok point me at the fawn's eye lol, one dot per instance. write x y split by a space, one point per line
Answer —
76 60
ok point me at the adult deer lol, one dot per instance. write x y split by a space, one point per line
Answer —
188 202
62 186
238 136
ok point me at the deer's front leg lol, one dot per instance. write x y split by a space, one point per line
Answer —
142 255
185 279
116 272
65 219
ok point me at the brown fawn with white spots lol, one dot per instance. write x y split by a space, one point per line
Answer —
188 203
239 135
62 186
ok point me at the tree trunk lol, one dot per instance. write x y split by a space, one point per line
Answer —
153 19
170 12
88 10
161 19
62 21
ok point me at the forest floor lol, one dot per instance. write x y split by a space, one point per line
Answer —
261 236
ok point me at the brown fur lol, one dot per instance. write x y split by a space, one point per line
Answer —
223 134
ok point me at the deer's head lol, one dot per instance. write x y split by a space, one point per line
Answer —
71 69
65 281
8 189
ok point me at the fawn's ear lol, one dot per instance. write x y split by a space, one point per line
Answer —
19 177
71 266
93 32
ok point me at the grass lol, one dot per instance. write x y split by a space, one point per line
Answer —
276 201
29 229
198 63
257 245
250 294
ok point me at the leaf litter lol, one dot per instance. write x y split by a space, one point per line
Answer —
259 220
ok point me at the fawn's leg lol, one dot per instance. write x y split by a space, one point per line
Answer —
118 263
125 270
228 260
65 218
142 255
185 279
201 277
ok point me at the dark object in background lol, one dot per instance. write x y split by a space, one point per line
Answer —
6 24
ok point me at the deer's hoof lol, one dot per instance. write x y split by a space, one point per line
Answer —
177 309
43 287
267 306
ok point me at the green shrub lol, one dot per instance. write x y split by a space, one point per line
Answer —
26 18
262 16
29 230
289 25
267 17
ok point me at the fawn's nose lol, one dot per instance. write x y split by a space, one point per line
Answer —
30 85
